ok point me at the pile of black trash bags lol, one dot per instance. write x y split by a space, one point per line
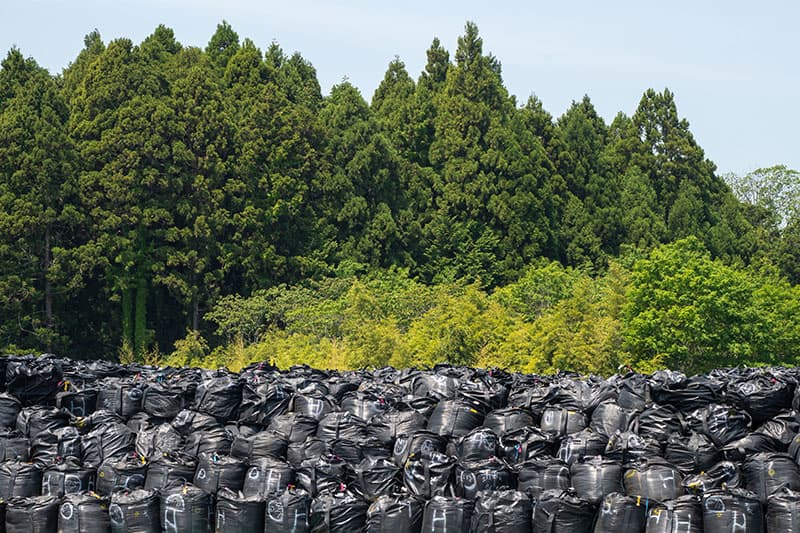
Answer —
98 447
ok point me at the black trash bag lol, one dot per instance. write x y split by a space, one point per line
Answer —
420 444
262 444
19 480
170 468
35 514
34 420
137 511
14 446
387 426
312 404
764 474
762 396
327 472
261 401
561 510
541 474
267 477
376 477
10 407
690 394
505 511
654 479
34 381
526 444
107 442
619 512
487 475
78 402
724 474
725 511
782 428
217 471
288 512
429 476
237 513
164 400
783 512
84 513
337 511
187 422
508 420
219 396
480 443
67 476
294 426
436 385
609 417
684 515
585 443
740 449
634 392
396 514
186 509
629 447
158 440
721 423
694 453
124 474
422 405
454 418
311 449
141 421
447 515
341 425
120 396
562 421
483 396
363 405
659 422
208 442
596 477
62 442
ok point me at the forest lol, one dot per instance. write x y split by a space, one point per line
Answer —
185 206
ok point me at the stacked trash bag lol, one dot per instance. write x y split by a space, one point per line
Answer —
90 447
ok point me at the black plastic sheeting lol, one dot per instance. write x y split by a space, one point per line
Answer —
96 447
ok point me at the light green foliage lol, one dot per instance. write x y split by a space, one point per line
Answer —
686 310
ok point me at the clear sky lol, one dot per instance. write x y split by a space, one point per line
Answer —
733 65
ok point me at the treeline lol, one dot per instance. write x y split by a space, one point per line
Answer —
146 185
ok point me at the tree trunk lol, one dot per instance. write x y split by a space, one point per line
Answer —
127 318
48 289
140 320
196 313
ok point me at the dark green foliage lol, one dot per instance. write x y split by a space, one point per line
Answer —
150 185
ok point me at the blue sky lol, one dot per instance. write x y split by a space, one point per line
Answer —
732 65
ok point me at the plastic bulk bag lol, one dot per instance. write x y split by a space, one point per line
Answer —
337 511
684 515
733 510
395 514
266 476
84 513
654 479
34 514
507 511
67 476
237 513
559 510
542 474
596 477
137 511
186 509
288 512
454 418
262 444
215 472
169 468
619 512
447 515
